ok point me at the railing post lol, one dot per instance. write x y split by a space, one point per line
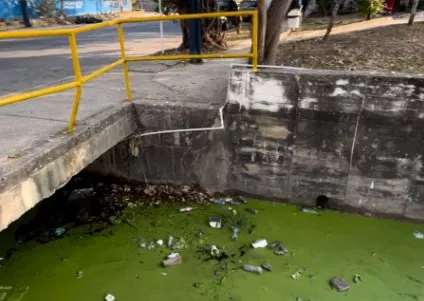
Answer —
124 64
255 27
78 79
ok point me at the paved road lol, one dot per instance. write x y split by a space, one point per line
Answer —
31 63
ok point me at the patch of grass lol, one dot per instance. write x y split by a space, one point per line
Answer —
397 48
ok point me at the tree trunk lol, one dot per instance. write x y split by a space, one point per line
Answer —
262 10
25 15
212 35
62 8
275 16
336 7
414 8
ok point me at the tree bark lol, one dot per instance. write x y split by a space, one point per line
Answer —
414 8
262 10
336 7
62 8
275 17
212 35
25 15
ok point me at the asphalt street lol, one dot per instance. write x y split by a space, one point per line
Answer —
28 64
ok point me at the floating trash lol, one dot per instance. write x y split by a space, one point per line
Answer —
296 275
169 262
236 230
214 251
266 266
339 284
252 269
59 231
215 222
281 251
356 278
275 244
261 243
418 235
172 255
170 240
143 245
308 210
110 297
159 242
151 245
187 209
79 275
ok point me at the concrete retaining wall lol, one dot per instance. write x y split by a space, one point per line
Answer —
290 133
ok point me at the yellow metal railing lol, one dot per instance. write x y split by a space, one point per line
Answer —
80 80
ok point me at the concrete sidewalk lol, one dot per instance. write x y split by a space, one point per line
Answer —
27 124
288 36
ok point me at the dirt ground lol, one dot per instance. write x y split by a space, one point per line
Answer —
396 48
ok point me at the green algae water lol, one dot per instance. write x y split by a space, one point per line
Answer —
388 258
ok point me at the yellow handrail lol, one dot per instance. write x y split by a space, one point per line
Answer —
80 80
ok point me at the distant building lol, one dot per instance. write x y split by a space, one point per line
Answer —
10 9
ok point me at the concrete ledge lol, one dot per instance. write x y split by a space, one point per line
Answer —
291 134
38 173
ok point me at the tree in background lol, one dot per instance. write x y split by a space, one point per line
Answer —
275 16
370 8
414 8
25 14
212 35
334 11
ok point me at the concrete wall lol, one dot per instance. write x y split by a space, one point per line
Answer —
355 137
10 9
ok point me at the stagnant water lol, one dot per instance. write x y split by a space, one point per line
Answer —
93 258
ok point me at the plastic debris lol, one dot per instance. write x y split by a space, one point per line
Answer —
252 211
266 266
281 251
143 245
260 243
308 210
187 209
275 244
80 273
199 234
243 199
339 284
252 269
296 275
59 231
151 245
214 251
215 222
110 297
236 230
159 242
164 274
170 241
357 278
418 235
169 262
172 255
219 201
